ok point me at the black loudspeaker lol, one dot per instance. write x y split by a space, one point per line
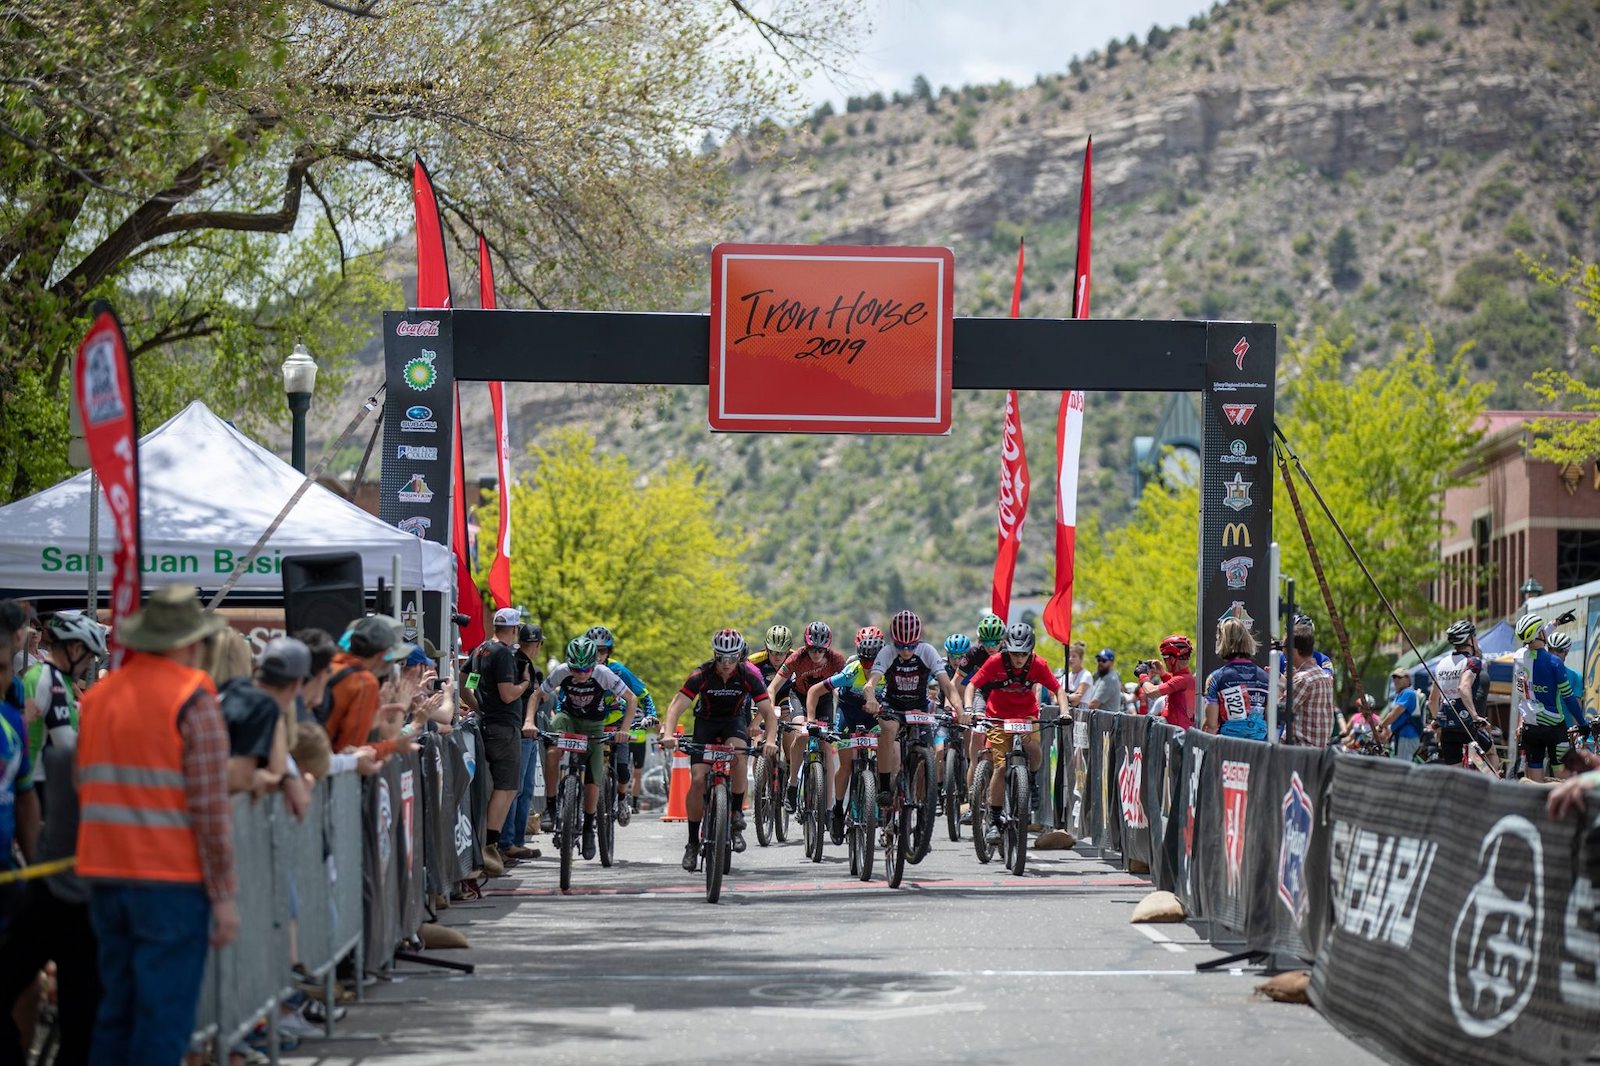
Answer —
322 591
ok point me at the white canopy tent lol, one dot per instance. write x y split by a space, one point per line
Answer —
208 492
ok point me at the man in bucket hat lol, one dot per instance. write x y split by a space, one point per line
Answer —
155 835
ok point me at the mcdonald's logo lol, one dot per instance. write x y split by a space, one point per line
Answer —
1235 534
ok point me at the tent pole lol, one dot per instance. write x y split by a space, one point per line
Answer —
94 543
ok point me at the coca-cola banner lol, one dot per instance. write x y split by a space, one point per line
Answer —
1462 918
1012 506
103 385
418 423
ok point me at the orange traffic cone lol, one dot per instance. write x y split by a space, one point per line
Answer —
678 790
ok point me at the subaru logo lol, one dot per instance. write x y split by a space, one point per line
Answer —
419 414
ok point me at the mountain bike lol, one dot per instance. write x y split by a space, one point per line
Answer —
812 806
861 796
1017 797
771 814
954 789
574 749
716 826
908 823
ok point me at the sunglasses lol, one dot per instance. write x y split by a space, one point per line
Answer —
583 669
724 657
903 647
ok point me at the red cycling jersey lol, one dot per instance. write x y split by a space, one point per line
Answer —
1178 688
806 673
1008 694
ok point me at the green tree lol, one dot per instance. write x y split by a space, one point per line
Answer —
1382 443
1563 440
596 541
220 169
1343 267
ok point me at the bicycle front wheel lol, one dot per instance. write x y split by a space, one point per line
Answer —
923 778
1021 795
766 819
814 811
897 840
606 819
717 843
980 809
567 815
780 809
866 825
952 792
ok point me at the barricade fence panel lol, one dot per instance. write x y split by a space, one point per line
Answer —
412 881
380 868
1132 745
1462 919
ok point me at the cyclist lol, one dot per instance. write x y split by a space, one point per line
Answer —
1236 691
633 766
1455 673
1007 682
49 687
579 686
725 687
956 648
904 671
1177 682
1542 697
805 667
851 711
991 631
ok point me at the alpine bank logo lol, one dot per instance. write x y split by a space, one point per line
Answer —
428 328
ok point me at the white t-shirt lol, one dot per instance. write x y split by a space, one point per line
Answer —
1072 682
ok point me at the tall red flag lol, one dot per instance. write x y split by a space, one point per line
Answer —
1012 507
103 384
1069 434
500 569
433 290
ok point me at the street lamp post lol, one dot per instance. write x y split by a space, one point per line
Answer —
299 381
1530 588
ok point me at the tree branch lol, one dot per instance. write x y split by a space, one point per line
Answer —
327 211
194 326
280 221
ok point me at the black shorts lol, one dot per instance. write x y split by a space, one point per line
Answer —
1540 743
1453 745
502 750
637 751
735 731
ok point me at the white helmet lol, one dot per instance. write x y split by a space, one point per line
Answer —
75 625
1560 642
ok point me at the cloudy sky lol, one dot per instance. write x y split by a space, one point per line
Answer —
954 42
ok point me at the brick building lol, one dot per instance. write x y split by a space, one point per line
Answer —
1519 518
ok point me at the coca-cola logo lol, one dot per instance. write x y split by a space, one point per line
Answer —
1013 503
428 328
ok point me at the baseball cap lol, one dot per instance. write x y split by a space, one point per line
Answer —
418 657
507 616
531 634
382 631
1107 655
285 659
1400 671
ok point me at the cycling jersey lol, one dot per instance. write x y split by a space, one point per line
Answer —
906 680
807 673
49 691
762 661
616 706
1239 689
582 697
1540 691
1008 693
724 697
851 684
1449 670
1178 690
972 661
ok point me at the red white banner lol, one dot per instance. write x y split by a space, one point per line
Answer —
433 290
1069 434
500 569
1012 507
103 382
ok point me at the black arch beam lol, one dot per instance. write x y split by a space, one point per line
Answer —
624 347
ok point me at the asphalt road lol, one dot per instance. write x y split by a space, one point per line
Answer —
801 963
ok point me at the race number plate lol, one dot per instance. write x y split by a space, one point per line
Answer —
864 740
1014 726
717 753
572 742
918 718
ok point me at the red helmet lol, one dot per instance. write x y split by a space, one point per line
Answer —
818 635
869 633
1177 646
906 628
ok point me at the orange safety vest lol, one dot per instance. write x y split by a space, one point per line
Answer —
134 820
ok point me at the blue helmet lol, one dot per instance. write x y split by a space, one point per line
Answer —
957 644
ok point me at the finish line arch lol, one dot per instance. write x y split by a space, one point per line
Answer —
1233 365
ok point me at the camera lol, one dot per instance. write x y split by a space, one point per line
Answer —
461 620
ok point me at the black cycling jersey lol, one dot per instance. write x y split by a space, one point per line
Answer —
720 698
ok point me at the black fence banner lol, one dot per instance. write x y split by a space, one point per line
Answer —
466 845
438 818
1462 921
1156 785
1195 818
1231 810
1133 735
1105 820
380 874
1287 851
1079 821
412 882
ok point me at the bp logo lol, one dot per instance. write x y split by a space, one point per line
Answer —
1297 811
1494 950
385 823
420 372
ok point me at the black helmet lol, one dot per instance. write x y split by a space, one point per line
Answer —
1461 632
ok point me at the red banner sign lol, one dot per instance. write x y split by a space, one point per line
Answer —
817 339
104 385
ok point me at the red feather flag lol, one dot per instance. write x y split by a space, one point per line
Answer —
500 569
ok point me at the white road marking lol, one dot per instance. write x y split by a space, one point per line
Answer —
1158 937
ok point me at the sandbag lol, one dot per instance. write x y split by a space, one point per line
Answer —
1287 987
1158 907
434 935
1054 840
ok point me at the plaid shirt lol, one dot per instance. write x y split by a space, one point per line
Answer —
205 781
1314 707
